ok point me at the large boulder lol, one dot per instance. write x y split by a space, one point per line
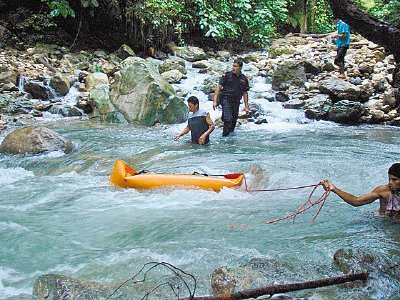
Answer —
34 140
53 287
94 79
173 64
60 83
227 280
143 96
339 89
57 287
346 112
289 73
317 107
37 89
102 106
172 76
124 52
359 260
189 53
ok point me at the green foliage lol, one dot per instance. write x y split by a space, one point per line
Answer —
35 23
89 3
251 22
61 7
322 23
388 11
160 15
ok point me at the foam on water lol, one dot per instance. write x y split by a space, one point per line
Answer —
15 227
11 175
8 276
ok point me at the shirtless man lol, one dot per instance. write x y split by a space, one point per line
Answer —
388 194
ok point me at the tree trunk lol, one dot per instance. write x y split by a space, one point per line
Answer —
304 17
381 33
284 288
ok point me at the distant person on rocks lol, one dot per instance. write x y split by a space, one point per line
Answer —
388 194
199 124
232 86
342 41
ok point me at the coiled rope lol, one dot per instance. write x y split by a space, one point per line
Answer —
304 207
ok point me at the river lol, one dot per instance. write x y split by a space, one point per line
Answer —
59 214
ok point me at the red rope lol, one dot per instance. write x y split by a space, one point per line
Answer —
304 207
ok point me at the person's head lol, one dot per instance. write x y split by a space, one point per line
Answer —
193 103
335 19
394 177
237 66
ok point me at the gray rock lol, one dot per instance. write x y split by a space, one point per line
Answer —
143 96
227 280
281 97
189 53
210 83
355 80
37 89
124 52
60 84
294 104
34 140
173 76
346 112
358 260
312 67
339 89
317 107
57 287
289 73
173 64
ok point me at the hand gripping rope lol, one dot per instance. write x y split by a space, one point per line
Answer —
304 207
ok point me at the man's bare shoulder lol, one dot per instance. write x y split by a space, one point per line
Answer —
383 190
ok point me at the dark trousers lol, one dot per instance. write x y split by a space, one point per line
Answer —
230 113
340 54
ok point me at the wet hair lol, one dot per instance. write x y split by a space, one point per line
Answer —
239 62
395 170
193 100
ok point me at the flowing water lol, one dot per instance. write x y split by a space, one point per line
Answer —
59 214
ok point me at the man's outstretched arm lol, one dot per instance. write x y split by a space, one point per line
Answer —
350 198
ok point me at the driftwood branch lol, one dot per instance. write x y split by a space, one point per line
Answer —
314 35
284 288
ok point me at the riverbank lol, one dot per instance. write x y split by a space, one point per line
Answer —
48 79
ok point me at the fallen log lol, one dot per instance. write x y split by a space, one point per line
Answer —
284 288
313 35
47 65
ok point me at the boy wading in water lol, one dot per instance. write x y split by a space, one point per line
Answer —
199 124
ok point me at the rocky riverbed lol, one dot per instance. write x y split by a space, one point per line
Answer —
121 87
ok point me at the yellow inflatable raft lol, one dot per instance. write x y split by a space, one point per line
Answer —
127 177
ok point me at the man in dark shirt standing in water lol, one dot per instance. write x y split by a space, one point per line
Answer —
233 85
199 123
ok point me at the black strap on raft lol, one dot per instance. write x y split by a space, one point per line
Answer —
198 173
143 172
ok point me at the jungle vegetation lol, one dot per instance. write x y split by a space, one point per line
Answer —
144 23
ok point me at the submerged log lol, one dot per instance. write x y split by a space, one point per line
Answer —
284 288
